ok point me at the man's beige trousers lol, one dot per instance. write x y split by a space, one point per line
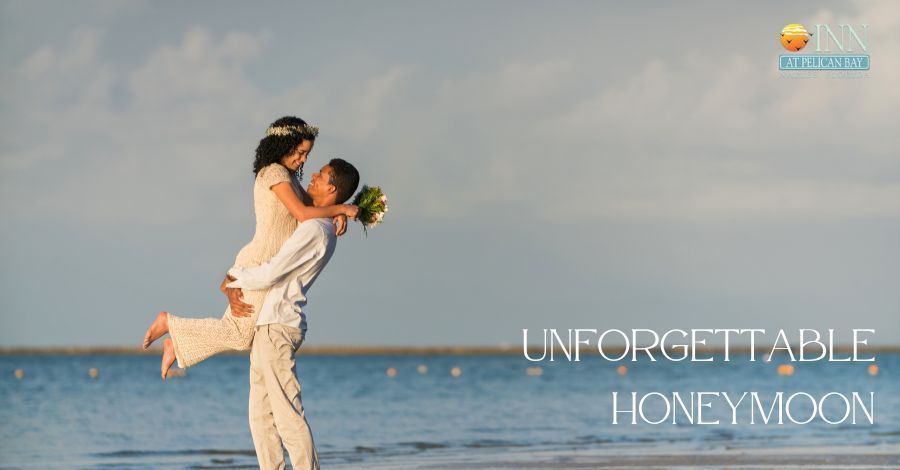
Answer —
276 411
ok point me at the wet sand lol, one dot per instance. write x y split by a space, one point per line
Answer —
819 458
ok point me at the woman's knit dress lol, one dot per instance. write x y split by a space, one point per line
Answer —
196 339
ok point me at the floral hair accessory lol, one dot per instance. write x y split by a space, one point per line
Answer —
304 131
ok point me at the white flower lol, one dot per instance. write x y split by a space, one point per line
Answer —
307 130
376 217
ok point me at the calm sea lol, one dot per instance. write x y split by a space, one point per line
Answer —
56 415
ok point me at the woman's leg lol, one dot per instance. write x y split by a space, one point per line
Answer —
195 339
168 358
157 330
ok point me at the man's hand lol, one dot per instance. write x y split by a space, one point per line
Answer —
235 298
340 224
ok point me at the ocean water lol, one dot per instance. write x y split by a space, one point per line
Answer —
56 415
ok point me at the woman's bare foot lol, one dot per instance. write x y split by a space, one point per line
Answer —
168 357
157 329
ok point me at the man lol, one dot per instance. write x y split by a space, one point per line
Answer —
276 410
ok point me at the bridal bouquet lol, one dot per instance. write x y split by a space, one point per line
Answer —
372 206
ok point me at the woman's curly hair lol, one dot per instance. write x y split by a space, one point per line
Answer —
272 148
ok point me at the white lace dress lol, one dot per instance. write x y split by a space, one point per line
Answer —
196 339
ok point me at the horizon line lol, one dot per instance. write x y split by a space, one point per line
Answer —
339 350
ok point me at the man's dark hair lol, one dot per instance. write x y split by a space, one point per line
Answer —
345 179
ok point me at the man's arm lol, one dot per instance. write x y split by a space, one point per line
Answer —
301 247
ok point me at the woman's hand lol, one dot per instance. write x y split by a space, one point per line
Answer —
340 224
228 280
350 210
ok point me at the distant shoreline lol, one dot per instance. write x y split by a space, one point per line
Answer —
381 350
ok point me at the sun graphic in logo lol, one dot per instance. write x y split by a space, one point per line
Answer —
794 37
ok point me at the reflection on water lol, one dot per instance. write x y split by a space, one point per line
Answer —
125 416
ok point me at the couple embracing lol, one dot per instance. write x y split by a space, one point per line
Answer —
295 236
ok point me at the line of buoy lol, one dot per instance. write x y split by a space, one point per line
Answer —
786 370
392 372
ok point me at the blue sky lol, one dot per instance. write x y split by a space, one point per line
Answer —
577 165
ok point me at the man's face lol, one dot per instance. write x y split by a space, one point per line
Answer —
295 160
321 183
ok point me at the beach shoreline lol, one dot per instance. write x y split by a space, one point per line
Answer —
662 457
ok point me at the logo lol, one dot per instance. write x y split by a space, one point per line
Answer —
840 48
794 37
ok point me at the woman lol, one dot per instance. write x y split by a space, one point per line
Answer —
278 209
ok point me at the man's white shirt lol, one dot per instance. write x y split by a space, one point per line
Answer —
290 273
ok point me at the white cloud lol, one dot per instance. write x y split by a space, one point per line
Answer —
363 109
201 69
699 134
184 127
678 137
